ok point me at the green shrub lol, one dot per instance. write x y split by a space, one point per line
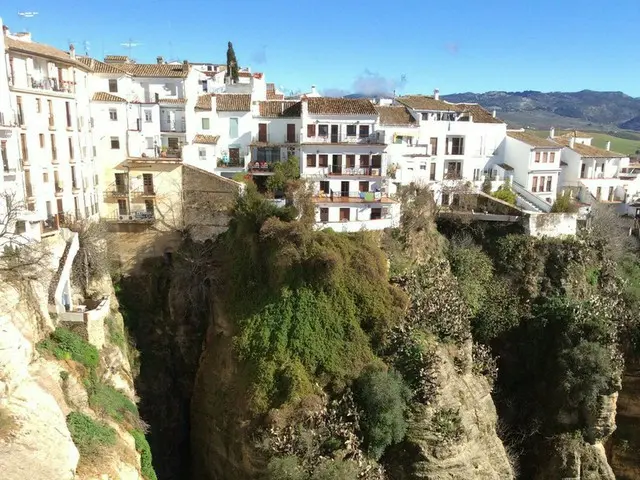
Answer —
564 204
116 334
66 345
285 468
474 270
143 448
382 398
106 400
89 435
333 469
505 193
498 313
446 424
283 172
414 356
64 375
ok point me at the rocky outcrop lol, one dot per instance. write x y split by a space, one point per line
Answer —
453 436
37 392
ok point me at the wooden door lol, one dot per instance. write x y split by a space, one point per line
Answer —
262 132
345 214
344 189
60 210
234 157
324 214
334 134
291 133
336 164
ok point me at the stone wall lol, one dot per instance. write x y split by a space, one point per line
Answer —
551 224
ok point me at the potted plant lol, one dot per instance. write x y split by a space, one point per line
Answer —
163 151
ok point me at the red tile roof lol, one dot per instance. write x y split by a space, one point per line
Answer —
274 108
587 151
173 101
206 139
424 102
204 102
233 102
391 115
42 50
340 106
533 140
107 97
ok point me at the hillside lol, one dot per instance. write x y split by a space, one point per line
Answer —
586 109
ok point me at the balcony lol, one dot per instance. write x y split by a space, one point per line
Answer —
117 190
47 84
166 152
166 128
362 171
351 197
138 216
7 122
145 191
345 139
50 225
75 188
59 190
271 139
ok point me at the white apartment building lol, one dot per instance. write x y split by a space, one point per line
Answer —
50 151
535 166
342 156
602 173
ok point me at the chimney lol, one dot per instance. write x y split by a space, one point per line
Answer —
572 141
552 132
5 30
608 147
159 60
436 94
72 51
313 90
185 66
493 114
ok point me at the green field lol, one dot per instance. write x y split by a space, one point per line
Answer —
627 145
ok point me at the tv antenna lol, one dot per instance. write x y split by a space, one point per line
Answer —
26 15
129 45
86 45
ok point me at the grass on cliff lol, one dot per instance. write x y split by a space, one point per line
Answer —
307 304
67 345
143 448
90 436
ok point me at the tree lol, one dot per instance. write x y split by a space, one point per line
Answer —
612 229
564 204
283 174
91 262
486 184
21 257
505 193
232 64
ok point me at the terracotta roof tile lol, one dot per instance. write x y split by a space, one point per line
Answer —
41 50
173 101
204 102
424 102
233 102
588 151
163 70
391 115
100 67
286 109
533 140
575 133
272 94
116 58
207 139
478 114
340 106
107 97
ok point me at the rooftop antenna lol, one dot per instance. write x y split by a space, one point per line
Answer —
129 45
26 15
85 44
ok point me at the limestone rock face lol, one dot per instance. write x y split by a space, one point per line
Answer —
37 393
454 435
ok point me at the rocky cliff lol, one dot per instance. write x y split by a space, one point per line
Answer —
53 407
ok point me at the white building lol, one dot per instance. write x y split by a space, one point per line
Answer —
50 155
342 157
600 173
535 166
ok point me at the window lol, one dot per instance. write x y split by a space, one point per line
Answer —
432 172
202 153
149 141
423 166
38 105
323 130
71 152
122 207
552 157
21 227
233 127
23 146
363 186
364 160
147 184
311 160
67 106
148 116
351 130
456 146
113 85
433 141
115 143
45 177
54 148
324 186
544 157
205 124
20 112
113 114
311 130
345 214
5 157
148 206
173 142
324 214
364 131
351 161
323 160
549 181
205 86
94 150
477 173
41 137
376 213
537 160
534 184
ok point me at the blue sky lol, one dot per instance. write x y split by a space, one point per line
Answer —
413 46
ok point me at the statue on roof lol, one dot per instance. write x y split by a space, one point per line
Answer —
232 64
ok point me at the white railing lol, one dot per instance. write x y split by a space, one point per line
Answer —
531 198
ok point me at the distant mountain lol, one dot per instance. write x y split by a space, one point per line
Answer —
584 109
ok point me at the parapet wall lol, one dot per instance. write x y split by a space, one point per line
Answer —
551 224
